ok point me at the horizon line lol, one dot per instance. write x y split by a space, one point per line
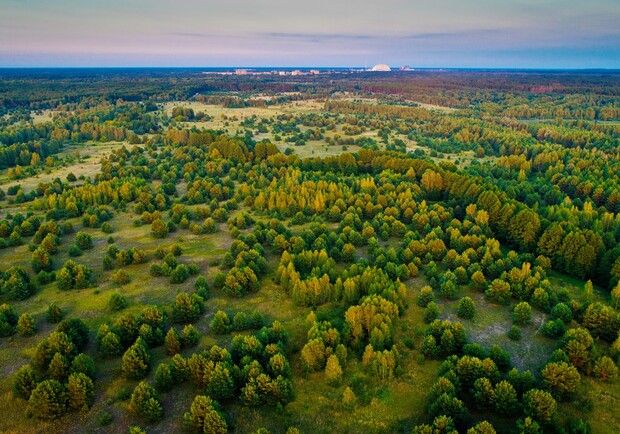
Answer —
351 67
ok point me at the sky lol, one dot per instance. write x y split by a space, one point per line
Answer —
418 33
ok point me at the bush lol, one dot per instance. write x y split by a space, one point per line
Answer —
26 325
8 320
426 296
121 277
83 240
25 382
514 333
117 302
80 391
561 379
431 313
522 313
191 336
145 402
83 363
163 377
605 369
159 229
539 405
204 416
466 308
553 328
48 400
220 323
187 308
73 276
563 312
74 251
54 313
136 360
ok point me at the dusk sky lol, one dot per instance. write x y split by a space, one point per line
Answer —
434 33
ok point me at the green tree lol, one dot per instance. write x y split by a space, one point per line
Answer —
466 308
136 360
333 371
145 402
25 382
48 400
172 342
204 417
80 391
26 325
522 313
561 378
539 405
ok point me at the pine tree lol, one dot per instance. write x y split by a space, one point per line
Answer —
80 391
333 371
48 400
204 417
136 360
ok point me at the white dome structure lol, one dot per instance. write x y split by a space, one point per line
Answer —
381 67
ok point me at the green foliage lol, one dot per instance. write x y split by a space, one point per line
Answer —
522 313
145 402
136 360
48 400
26 325
466 308
203 416
117 302
73 276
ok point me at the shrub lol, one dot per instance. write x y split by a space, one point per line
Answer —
163 377
172 342
117 302
466 308
136 360
190 336
522 313
333 371
54 313
431 312
25 382
121 277
26 325
159 229
80 391
539 405
187 308
73 276
74 251
48 400
426 296
204 416
514 333
8 320
561 378
563 312
605 369
553 328
84 364
220 323
145 402
83 240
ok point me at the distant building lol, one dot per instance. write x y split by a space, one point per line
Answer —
241 72
381 67
314 72
296 72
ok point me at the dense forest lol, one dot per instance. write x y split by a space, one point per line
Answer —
421 252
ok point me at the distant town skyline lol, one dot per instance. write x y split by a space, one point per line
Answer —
442 33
